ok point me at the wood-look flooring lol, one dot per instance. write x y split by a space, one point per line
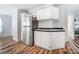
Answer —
8 46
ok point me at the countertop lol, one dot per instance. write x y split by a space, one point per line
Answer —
50 30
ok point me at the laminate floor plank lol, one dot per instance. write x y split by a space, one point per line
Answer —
59 51
8 46
12 50
19 48
26 50
69 50
36 51
32 48
41 51
73 47
5 42
7 49
50 52
76 41
46 52
76 47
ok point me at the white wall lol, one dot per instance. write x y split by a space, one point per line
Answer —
5 14
5 11
13 13
66 20
70 27
62 18
45 24
19 11
14 25
6 25
16 22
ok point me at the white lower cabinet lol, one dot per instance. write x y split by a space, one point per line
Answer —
37 38
49 40
57 40
45 40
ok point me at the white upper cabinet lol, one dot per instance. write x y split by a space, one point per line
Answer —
48 13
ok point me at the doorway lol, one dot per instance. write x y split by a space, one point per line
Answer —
1 26
76 21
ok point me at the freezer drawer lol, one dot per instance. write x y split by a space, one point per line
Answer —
27 35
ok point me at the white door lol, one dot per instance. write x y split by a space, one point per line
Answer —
71 27
27 35
45 40
58 40
37 38
26 19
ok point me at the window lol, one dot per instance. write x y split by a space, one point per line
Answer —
0 25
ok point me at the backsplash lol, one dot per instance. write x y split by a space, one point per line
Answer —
45 24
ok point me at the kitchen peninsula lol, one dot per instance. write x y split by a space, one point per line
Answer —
50 38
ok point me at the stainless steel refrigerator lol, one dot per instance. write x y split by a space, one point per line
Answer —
27 27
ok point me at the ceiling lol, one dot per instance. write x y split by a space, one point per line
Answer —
20 6
70 8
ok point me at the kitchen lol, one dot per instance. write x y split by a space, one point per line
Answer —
45 29
45 34
39 29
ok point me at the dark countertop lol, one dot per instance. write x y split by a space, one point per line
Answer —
50 30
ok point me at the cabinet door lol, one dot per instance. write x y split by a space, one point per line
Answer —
43 14
54 13
45 40
58 40
48 13
37 38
